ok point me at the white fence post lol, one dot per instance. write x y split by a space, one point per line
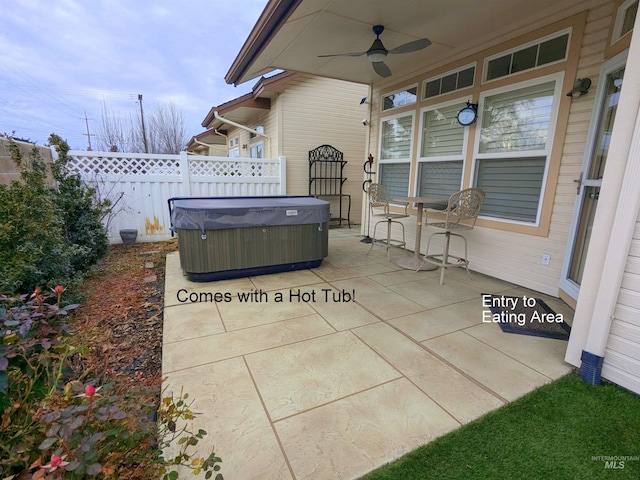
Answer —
185 171
283 175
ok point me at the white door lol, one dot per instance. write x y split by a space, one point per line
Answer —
590 180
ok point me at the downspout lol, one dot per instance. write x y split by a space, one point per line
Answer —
244 127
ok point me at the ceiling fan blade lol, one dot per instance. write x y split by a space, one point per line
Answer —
381 69
412 46
353 54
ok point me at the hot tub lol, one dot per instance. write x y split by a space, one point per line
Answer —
231 237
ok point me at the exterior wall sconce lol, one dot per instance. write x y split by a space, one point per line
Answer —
244 146
580 87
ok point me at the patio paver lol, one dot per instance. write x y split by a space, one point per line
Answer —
316 384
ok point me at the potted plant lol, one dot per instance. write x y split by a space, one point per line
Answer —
128 235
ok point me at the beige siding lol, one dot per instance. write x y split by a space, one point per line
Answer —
318 111
622 355
507 253
313 111
268 119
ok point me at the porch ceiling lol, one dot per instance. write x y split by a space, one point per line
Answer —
291 34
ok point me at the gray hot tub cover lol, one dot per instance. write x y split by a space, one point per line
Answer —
233 212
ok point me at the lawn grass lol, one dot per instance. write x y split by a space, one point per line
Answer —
551 433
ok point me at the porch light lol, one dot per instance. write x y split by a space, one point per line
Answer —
580 87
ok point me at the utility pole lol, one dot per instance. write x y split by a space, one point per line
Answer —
88 134
144 132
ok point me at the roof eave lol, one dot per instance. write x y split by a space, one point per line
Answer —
270 21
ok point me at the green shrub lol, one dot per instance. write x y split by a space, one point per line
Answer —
80 210
33 248
50 233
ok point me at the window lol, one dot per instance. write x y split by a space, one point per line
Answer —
625 19
449 82
513 150
259 128
527 57
400 98
256 150
442 144
234 150
396 135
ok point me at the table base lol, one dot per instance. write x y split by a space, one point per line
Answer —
411 263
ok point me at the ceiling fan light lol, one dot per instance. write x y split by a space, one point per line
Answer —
376 55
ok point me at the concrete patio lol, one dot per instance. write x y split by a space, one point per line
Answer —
332 372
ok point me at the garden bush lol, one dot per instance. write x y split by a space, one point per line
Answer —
50 229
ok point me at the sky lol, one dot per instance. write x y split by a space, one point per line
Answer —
63 59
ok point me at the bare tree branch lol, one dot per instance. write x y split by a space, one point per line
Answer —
166 131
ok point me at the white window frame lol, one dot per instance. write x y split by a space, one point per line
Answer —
383 95
446 74
620 14
234 147
253 145
382 161
259 129
443 158
547 151
538 41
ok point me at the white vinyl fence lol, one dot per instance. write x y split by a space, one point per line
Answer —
139 185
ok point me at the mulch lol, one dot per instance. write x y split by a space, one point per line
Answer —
121 318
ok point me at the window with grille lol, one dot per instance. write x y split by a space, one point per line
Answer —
449 82
549 50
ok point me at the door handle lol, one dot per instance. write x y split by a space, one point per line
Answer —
579 182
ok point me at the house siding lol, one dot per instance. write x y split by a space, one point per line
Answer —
318 111
622 355
503 251
268 120
314 111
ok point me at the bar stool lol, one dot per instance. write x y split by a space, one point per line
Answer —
379 199
463 205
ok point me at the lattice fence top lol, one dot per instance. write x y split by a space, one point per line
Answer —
234 168
92 165
87 165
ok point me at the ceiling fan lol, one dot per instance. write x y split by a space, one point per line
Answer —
377 53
